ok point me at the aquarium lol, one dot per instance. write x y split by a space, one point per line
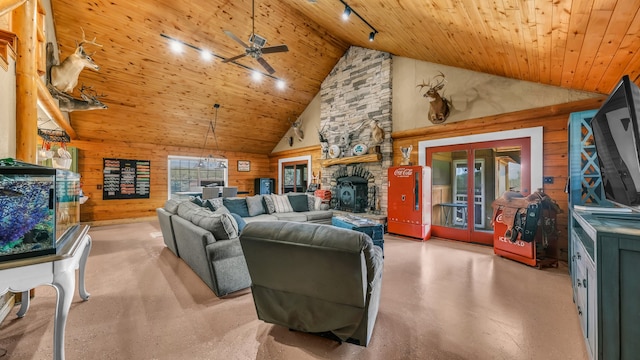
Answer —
38 208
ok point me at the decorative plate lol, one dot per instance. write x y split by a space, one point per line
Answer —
360 149
334 151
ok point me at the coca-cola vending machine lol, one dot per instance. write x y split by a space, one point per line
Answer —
409 196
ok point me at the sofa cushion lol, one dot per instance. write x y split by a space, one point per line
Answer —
263 217
282 203
171 205
269 206
186 209
316 215
222 226
236 206
254 204
299 202
240 221
291 216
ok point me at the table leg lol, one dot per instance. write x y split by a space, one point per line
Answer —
64 283
83 262
24 306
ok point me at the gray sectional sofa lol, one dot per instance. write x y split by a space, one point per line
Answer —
205 233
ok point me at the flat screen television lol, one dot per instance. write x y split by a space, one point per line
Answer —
617 140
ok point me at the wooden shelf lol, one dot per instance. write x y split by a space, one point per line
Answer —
352 160
50 105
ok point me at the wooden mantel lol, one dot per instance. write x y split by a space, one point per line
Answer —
352 160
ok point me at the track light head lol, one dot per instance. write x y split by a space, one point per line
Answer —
346 13
372 35
216 105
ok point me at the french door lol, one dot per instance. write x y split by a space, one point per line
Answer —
467 178
294 176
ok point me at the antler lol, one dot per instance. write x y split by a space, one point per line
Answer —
84 40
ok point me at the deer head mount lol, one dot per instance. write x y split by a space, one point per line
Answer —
89 100
439 106
297 129
64 77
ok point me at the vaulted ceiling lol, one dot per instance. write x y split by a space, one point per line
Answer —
156 96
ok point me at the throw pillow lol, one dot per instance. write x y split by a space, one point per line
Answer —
236 205
222 210
222 226
318 203
171 205
269 206
213 204
311 202
299 203
254 204
196 200
281 203
240 221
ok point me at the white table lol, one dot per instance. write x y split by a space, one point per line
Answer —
57 270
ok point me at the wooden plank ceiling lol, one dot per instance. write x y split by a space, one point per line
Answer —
158 97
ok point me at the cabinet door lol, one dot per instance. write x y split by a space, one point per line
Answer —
629 263
589 285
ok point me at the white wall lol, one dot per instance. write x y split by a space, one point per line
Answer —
473 94
310 125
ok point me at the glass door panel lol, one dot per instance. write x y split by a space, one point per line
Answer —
449 193
294 177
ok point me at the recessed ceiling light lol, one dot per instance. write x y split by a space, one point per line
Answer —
256 75
281 84
176 46
206 55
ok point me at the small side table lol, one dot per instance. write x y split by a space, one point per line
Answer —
56 270
374 230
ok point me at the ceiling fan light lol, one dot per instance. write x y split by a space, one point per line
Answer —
281 84
346 13
256 75
176 46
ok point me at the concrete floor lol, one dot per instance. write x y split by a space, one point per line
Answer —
440 300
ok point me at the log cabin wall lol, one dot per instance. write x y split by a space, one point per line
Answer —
90 160
553 119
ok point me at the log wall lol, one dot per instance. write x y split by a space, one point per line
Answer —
90 161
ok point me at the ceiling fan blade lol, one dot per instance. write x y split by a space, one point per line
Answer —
274 49
235 38
265 65
234 58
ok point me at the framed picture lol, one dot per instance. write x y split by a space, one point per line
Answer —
244 165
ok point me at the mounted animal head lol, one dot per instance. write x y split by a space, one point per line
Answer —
90 101
297 128
64 77
439 106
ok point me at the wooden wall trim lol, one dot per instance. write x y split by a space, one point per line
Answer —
8 5
498 120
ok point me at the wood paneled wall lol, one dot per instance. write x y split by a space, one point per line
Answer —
90 160
314 151
553 119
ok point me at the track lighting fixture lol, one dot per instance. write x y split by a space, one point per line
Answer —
348 10
346 13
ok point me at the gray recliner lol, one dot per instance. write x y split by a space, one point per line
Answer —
314 278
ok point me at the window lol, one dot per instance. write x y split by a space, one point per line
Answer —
186 176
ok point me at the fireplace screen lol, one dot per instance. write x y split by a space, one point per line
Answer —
352 194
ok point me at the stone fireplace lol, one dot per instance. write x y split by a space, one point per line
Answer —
355 94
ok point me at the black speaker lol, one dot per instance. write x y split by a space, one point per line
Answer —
264 186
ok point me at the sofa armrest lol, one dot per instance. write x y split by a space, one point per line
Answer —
224 249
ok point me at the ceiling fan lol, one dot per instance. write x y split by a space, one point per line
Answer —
256 48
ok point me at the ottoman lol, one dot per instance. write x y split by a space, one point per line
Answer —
371 228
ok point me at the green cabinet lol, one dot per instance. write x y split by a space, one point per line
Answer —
605 258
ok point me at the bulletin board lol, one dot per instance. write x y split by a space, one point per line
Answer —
126 179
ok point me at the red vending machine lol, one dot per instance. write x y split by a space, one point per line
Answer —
409 196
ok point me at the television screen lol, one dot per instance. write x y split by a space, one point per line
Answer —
617 138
